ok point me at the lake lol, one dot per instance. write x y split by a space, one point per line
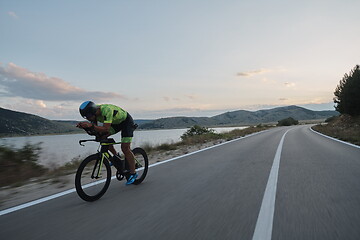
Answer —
60 149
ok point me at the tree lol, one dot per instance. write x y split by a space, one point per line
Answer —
347 93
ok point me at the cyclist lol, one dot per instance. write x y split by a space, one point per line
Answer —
114 119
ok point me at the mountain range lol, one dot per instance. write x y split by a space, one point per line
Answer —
14 123
240 117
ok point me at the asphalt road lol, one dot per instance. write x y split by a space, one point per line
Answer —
216 194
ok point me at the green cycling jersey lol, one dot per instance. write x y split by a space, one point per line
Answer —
111 114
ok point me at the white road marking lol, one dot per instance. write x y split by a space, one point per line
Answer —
41 200
337 140
45 199
264 224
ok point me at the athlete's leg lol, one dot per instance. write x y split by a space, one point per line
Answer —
127 133
112 150
129 156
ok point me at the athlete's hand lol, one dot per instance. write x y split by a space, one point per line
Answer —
84 125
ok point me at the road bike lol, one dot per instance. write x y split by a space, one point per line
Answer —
94 173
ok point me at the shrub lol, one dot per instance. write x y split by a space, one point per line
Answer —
330 119
288 122
197 130
166 147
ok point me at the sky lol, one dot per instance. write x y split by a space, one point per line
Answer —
165 58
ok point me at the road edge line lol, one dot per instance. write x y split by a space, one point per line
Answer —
60 194
335 139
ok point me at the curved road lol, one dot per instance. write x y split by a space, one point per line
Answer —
307 187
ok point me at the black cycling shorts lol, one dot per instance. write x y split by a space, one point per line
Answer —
126 127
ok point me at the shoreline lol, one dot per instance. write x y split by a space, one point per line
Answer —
138 129
38 188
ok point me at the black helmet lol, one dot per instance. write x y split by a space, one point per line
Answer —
87 109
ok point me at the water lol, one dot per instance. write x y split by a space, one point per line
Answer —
60 149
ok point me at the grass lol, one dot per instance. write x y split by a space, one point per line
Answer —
343 127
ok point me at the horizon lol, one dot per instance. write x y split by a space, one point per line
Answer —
267 108
164 59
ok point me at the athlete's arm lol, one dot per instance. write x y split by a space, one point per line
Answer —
102 129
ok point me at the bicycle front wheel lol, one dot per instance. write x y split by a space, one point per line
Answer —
92 178
141 164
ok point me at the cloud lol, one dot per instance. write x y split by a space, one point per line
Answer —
289 84
169 99
191 97
261 71
268 81
40 103
183 98
176 112
252 73
49 110
20 82
13 15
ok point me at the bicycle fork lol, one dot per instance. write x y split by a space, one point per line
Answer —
98 166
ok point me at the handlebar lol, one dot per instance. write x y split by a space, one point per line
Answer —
92 133
88 140
98 137
109 141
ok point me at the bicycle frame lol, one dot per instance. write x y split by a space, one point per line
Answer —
97 166
103 155
103 149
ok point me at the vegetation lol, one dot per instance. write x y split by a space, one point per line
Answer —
344 127
68 168
197 130
18 165
288 122
347 93
200 135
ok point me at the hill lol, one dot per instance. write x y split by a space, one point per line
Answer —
240 117
14 123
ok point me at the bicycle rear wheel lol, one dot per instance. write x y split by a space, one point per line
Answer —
141 164
92 178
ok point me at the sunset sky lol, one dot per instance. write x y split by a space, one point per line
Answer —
166 58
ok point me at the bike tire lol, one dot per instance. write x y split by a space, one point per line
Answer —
82 175
142 170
